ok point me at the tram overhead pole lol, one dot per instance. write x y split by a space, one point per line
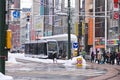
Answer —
3 50
69 37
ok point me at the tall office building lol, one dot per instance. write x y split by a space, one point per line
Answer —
99 36
100 21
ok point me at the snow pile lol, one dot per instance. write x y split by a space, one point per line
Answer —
11 58
73 61
68 63
3 77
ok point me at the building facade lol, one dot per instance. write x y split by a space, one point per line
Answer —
113 25
98 37
14 24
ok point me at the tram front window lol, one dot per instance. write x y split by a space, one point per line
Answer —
52 46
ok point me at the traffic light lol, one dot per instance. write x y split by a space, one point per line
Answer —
28 17
8 39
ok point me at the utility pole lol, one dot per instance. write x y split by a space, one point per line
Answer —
79 28
119 28
94 26
2 35
105 25
52 17
69 37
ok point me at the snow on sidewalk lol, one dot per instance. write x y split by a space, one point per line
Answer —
5 77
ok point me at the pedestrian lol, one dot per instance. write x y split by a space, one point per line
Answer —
96 59
54 57
118 58
104 56
92 57
60 53
83 54
80 53
112 57
107 57
99 57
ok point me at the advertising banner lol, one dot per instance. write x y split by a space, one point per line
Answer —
39 25
42 7
90 31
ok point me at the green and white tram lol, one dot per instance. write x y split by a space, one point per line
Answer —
62 40
41 48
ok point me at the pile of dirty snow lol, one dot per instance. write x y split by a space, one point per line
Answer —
4 77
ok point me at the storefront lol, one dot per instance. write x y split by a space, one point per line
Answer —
113 44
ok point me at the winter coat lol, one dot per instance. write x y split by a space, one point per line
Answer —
99 56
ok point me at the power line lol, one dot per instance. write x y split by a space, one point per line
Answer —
94 16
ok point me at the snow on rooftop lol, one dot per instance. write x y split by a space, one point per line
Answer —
61 37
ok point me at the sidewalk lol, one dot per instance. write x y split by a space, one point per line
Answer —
113 71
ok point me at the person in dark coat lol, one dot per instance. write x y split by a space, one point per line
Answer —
92 56
96 56
99 57
104 56
107 57
112 57
54 57
118 58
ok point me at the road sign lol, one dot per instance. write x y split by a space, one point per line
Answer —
16 14
116 15
75 45
26 9
79 61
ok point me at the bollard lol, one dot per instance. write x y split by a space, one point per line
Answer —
79 62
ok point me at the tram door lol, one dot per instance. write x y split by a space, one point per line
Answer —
62 49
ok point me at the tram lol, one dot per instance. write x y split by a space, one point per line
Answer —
41 48
62 40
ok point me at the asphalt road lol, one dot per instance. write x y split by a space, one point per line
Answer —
29 70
